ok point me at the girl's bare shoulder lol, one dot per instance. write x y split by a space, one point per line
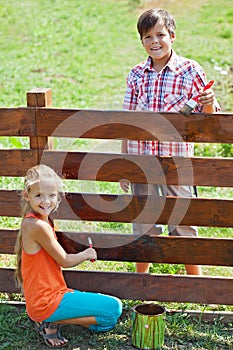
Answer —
34 225
35 233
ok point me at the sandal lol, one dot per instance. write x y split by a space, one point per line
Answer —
40 328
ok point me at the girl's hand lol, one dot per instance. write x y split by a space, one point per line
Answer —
206 97
90 254
124 185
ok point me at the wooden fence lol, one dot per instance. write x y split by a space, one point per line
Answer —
40 123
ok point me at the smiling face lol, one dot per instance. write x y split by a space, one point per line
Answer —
43 197
157 42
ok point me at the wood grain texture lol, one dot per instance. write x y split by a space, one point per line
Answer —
147 209
113 167
40 97
139 286
16 162
174 250
135 125
17 122
127 208
141 168
122 247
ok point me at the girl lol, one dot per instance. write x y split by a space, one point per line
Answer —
39 261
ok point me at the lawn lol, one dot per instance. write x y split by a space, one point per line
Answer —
83 50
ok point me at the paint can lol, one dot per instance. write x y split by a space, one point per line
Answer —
148 326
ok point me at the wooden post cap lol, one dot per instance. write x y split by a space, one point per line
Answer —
39 97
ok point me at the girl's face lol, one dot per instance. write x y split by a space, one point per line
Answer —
158 44
43 197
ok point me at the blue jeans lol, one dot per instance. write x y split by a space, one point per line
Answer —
106 309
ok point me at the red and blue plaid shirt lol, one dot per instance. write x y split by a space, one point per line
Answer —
166 91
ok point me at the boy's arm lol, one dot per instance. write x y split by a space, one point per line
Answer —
207 99
210 109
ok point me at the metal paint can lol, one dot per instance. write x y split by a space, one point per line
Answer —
148 326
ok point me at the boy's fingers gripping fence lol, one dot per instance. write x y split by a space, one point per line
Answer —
90 246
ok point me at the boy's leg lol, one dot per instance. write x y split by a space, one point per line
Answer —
142 267
193 270
190 231
141 229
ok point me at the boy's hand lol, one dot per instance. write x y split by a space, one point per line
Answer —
206 97
124 185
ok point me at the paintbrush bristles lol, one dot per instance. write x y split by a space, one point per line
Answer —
188 107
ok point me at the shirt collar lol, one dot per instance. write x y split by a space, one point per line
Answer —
171 64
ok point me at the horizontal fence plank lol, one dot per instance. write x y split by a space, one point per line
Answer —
78 123
102 124
17 122
147 209
174 250
135 286
165 288
141 168
17 162
121 247
113 167
127 208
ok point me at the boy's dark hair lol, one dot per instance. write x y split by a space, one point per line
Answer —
149 19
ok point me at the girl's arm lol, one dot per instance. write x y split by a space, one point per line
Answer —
41 233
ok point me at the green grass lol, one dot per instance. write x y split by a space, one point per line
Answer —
16 332
69 47
83 50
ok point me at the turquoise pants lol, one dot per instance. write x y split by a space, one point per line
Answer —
106 309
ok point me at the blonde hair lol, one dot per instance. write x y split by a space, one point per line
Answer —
35 174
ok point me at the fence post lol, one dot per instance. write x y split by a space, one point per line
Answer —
40 97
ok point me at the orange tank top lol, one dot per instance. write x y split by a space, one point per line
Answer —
43 282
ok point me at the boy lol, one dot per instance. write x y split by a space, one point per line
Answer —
163 83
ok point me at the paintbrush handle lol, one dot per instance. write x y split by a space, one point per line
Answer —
208 85
90 246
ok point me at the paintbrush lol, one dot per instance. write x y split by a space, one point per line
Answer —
191 104
90 246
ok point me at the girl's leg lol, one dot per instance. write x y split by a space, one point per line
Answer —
81 321
95 311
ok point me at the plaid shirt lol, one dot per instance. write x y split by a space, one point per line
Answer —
166 91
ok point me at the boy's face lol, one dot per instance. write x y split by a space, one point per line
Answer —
158 44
